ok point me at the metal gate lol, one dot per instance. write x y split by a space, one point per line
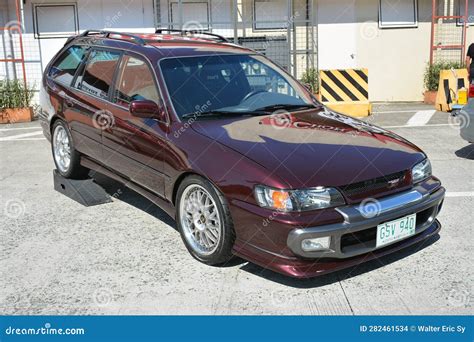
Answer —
283 30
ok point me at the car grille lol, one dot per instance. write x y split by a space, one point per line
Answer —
377 187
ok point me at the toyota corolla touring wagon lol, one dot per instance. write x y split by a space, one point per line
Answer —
240 153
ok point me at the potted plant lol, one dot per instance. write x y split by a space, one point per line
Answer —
15 101
431 78
311 79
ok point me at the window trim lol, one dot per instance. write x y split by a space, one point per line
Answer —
36 31
262 29
409 25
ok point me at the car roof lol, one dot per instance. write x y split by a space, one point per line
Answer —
165 45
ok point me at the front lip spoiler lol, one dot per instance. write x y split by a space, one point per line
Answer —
389 208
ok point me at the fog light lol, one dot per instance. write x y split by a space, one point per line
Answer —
316 244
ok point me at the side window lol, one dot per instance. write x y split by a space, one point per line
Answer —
98 74
65 67
135 82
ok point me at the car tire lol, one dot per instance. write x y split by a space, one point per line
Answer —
204 221
66 158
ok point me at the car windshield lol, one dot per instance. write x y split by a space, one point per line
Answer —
230 85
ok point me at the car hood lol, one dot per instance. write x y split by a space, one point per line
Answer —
314 147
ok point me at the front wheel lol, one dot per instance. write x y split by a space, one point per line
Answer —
204 221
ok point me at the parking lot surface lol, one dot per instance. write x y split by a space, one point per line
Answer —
126 257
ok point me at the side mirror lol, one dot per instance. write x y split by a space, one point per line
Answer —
147 109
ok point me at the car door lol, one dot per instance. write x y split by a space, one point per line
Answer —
65 100
133 146
86 102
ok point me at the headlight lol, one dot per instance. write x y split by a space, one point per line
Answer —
298 200
421 171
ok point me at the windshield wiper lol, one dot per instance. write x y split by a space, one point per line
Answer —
215 113
285 106
207 113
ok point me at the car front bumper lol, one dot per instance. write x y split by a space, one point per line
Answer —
357 234
353 239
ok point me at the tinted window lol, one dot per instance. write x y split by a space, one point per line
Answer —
237 83
65 67
135 82
98 74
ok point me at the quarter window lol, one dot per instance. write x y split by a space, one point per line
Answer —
98 74
65 67
135 82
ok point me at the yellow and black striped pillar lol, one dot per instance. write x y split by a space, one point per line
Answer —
346 91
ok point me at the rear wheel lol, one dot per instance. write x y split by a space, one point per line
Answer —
66 158
204 221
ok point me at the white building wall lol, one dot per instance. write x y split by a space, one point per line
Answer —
350 37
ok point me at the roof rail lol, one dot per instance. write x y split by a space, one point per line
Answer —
192 32
107 34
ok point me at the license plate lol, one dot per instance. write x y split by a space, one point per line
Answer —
395 230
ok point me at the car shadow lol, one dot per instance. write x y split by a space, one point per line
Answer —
119 191
337 276
467 152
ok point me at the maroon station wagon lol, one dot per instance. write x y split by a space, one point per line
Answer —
240 153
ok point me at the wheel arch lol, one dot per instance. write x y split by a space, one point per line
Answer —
180 179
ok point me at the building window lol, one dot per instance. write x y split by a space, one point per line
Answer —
270 14
55 20
461 9
398 13
195 15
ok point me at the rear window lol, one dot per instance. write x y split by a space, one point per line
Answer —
98 74
65 67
